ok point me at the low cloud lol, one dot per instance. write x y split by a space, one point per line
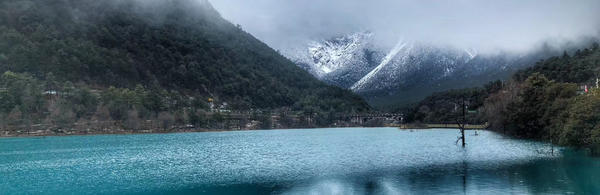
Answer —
515 25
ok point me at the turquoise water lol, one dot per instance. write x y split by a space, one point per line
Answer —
317 161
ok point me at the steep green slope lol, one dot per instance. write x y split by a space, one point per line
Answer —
175 45
547 102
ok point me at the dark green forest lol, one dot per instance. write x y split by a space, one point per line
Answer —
547 101
583 66
445 107
142 59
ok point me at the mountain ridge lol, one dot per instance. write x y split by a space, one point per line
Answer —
409 71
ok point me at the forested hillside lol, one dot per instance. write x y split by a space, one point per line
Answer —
143 58
445 107
557 100
582 67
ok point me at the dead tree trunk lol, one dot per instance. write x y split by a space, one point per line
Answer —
462 129
461 122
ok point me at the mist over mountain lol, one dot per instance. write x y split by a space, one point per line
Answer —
410 70
396 52
488 26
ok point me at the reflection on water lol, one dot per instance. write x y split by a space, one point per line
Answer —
572 175
320 161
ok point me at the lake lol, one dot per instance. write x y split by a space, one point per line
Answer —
315 161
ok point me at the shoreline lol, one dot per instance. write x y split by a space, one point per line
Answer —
143 132
138 132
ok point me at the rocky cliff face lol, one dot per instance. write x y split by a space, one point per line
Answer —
341 60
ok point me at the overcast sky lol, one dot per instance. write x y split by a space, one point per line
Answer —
481 24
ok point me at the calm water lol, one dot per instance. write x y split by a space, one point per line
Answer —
319 161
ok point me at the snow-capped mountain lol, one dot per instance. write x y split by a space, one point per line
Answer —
336 54
404 73
407 60
340 60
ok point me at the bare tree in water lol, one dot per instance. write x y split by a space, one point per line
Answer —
461 120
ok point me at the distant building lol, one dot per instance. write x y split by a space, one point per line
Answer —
224 108
583 89
50 92
211 104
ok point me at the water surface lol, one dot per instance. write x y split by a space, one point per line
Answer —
316 161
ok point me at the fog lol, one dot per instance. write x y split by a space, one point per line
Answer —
514 25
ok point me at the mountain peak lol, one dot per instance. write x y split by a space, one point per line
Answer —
335 53
411 69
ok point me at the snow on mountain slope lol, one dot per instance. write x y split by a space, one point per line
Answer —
341 60
355 62
337 53
414 64
331 55
361 83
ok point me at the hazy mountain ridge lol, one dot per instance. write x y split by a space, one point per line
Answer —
410 70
